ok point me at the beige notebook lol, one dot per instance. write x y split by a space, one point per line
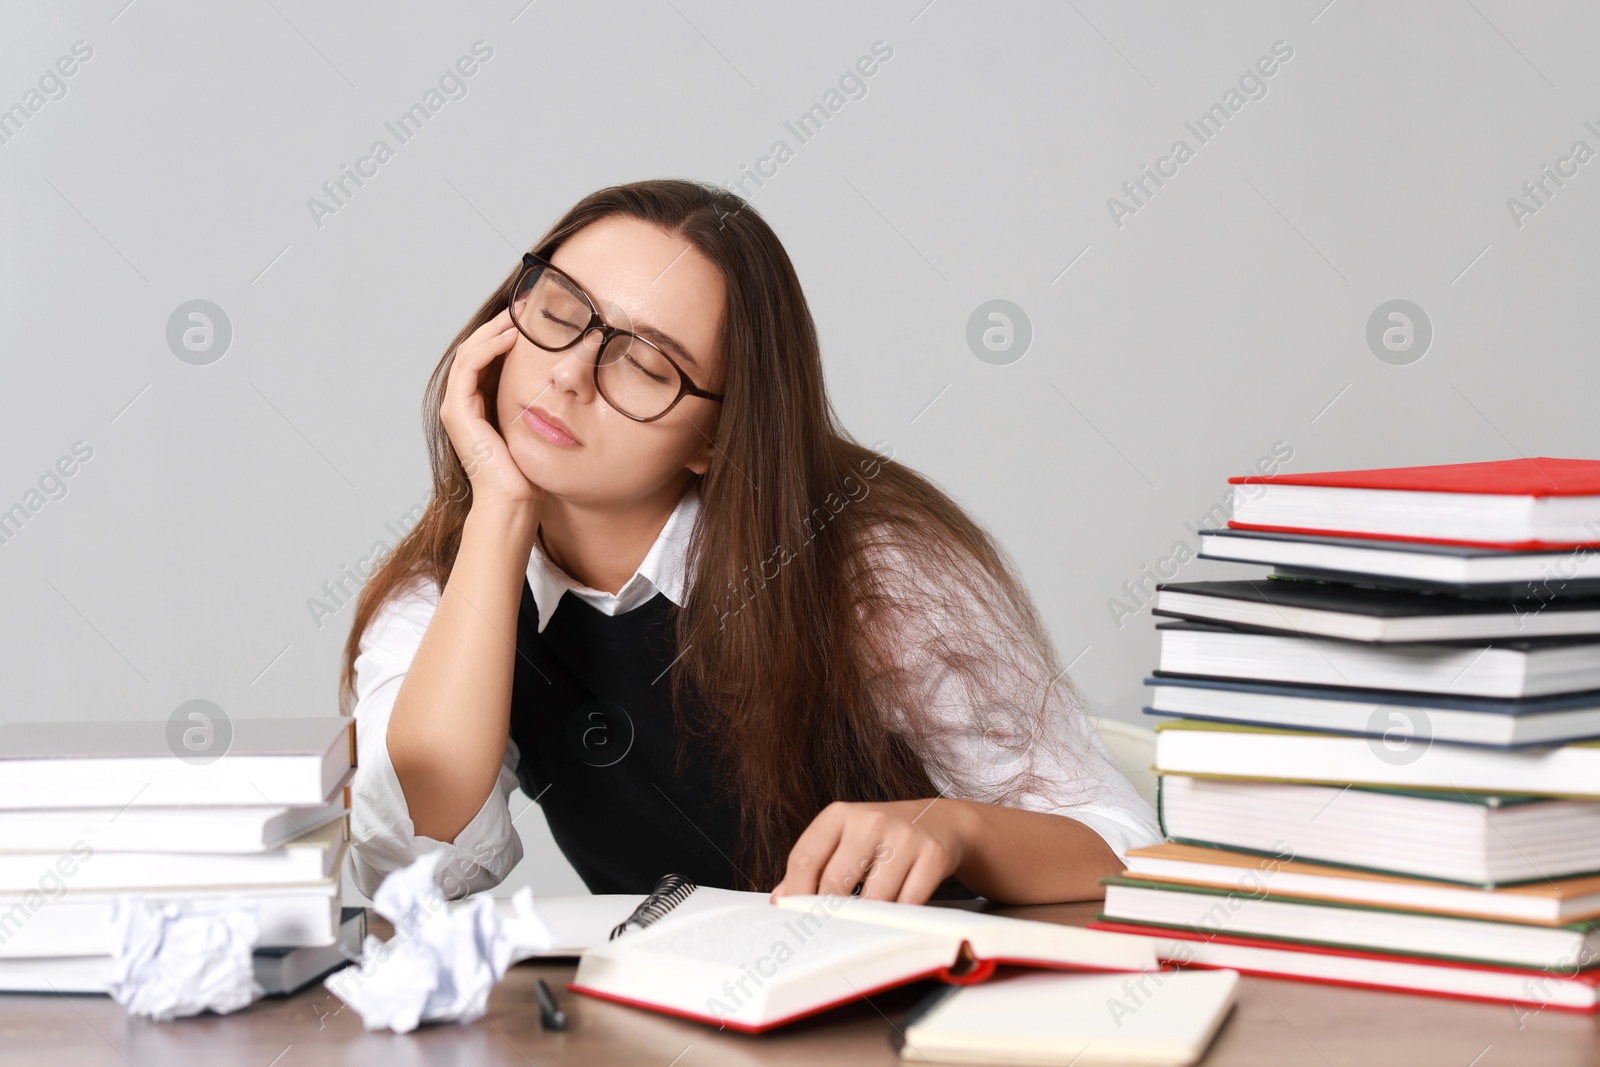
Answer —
1081 1019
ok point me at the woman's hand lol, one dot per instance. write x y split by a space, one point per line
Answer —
497 481
903 849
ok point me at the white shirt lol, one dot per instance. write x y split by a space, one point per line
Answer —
383 837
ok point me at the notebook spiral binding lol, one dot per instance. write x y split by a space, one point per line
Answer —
669 892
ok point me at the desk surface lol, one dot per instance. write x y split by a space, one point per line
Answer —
1275 1023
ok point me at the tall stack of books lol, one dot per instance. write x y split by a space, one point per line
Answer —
247 812
1378 765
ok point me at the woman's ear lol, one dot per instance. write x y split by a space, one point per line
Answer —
701 461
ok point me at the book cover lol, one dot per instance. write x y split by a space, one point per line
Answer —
1538 476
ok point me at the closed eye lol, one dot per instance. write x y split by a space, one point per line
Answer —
563 322
647 374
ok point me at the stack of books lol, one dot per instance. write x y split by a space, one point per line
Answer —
247 812
1378 764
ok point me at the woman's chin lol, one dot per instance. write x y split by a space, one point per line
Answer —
539 466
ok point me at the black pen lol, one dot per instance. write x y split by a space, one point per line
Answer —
551 1017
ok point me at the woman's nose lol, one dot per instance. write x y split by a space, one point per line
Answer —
572 369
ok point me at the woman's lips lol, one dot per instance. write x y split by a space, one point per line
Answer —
546 429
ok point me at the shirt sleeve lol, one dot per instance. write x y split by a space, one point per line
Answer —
995 726
382 835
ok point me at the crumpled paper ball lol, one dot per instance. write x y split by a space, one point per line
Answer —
442 961
180 958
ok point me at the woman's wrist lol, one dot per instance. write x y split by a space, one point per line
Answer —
516 525
1017 856
963 822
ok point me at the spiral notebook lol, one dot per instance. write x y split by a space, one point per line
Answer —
584 920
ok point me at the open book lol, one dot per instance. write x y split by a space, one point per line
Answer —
580 921
752 967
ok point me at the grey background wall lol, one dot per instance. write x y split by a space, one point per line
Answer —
1159 337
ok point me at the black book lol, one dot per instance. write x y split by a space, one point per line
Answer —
1465 570
1328 609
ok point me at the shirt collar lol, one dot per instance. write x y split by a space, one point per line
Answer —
663 570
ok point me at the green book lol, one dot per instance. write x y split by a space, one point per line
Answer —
1484 840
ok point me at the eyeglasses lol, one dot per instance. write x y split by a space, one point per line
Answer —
635 376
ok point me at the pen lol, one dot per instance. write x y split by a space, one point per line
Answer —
551 1017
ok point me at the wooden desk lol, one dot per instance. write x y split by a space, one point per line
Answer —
1275 1024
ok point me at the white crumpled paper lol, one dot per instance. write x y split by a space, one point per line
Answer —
443 960
176 959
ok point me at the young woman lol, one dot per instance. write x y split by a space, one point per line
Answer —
661 589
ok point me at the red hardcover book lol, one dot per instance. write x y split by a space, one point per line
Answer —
752 967
1567 989
1527 503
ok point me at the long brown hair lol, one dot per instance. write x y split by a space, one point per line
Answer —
838 602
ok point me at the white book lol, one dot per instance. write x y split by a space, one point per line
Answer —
1408 562
1086 1020
283 761
280 971
1236 911
1514 667
1561 988
1193 746
51 921
1546 902
1448 835
176 829
751 967
308 858
1509 518
1468 720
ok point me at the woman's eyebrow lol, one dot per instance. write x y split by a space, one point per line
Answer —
665 340
643 329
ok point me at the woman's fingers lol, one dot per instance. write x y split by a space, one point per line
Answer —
877 845
470 395
854 856
928 870
893 858
810 852
469 398
486 341
464 388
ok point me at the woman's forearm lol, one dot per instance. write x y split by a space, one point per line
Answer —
1015 856
447 731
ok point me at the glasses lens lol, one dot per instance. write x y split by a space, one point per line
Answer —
636 378
548 309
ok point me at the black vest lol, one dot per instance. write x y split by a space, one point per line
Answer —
592 717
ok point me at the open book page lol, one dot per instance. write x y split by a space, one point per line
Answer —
753 966
581 921
996 937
